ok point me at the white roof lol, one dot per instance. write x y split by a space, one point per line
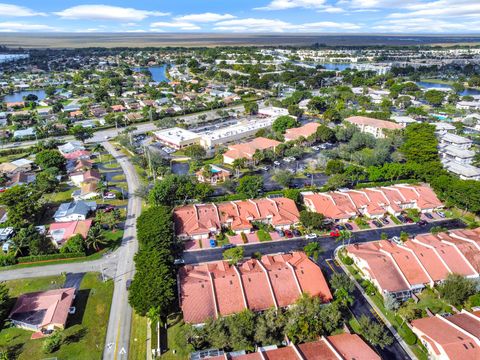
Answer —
462 169
444 126
456 139
176 135
22 162
455 151
404 119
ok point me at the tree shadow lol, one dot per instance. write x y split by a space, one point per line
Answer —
80 304
76 337
14 351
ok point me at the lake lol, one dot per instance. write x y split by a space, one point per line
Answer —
335 66
431 85
18 95
159 72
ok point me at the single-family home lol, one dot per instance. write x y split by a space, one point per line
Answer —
83 177
213 174
60 232
71 147
74 211
25 133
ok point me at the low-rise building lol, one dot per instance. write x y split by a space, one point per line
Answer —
373 126
84 177
177 138
200 221
464 171
25 133
71 147
248 149
455 337
74 211
403 269
449 139
62 231
456 154
303 131
213 174
210 290
43 310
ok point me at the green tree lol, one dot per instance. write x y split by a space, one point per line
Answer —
95 238
374 332
251 108
171 190
317 104
434 97
456 289
233 255
217 333
50 158
312 220
53 342
283 177
46 181
325 134
241 328
250 185
5 302
154 228
76 244
270 327
196 152
23 205
342 281
283 123
81 133
313 249
409 311
391 304
335 167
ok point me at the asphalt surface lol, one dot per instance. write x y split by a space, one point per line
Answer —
119 323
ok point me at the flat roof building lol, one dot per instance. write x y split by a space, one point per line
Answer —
177 138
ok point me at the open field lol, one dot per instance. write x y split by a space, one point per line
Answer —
109 40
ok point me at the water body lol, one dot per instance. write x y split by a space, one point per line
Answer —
335 66
18 95
430 85
159 73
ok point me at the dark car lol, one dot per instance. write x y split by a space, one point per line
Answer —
128 283
408 220
228 246
348 226
377 223
296 232
428 215
422 223
288 234
402 218
339 227
385 221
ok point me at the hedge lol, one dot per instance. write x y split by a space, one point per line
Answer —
26 259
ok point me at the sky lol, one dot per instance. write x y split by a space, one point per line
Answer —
243 16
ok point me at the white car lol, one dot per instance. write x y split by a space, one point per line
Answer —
316 148
310 236
396 240
109 195
72 310
441 214
277 163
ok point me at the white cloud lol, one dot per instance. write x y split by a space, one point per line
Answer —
11 10
441 8
15 27
106 12
205 17
327 26
290 4
426 25
180 25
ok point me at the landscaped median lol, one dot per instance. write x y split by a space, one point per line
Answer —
376 301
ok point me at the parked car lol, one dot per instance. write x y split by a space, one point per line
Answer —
281 233
396 240
385 221
288 234
409 220
179 262
71 310
335 233
276 163
316 148
128 283
296 232
422 223
109 195
428 215
287 159
402 218
213 243
441 214
311 236
377 223
109 208
339 227
348 226
228 246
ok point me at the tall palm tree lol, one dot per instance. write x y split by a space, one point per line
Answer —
95 237
98 148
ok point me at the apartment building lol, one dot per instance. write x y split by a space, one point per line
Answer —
373 126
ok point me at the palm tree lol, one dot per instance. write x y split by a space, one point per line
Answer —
17 245
344 235
98 148
95 237
237 165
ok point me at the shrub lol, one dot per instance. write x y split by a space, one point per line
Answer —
347 260
26 259
53 342
244 237
7 260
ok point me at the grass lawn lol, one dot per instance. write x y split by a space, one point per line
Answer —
63 194
18 287
112 165
85 332
13 157
181 351
138 337
428 299
263 235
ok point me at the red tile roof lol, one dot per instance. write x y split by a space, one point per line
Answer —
382 124
218 288
305 131
246 150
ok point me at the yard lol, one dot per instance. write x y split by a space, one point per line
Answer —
85 332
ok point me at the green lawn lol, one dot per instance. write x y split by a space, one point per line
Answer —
18 287
263 235
120 177
85 331
138 337
428 299
175 342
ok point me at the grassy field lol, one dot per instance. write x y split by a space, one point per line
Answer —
84 335
138 337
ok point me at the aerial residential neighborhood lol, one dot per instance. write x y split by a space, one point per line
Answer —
276 180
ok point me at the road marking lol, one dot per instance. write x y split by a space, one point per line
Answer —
122 351
109 346
330 266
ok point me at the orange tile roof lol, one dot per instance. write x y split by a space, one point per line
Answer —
246 150
467 321
441 334
429 259
274 281
469 250
305 131
352 347
196 219
382 124
285 353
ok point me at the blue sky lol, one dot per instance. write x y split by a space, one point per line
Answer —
243 16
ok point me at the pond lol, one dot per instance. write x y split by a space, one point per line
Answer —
335 66
18 95
159 72
431 85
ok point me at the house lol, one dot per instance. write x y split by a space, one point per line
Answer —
303 131
248 149
215 175
404 269
210 290
74 211
464 171
373 126
78 165
87 191
28 132
83 177
77 154
19 179
404 120
442 128
449 139
71 147
17 166
177 138
456 154
60 232
199 221
455 337
372 202
43 310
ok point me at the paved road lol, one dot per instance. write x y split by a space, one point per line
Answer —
327 243
119 324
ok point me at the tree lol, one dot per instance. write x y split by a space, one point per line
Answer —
172 189
283 177
250 185
337 181
81 133
334 167
53 342
283 123
420 145
374 332
434 97
313 250
239 164
36 242
22 203
4 303
294 110
195 151
50 158
217 333
95 238
342 281
325 134
409 311
251 108
233 255
241 328
312 220
154 282
391 304
270 327
154 228
109 219
317 104
456 289
46 181
76 244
